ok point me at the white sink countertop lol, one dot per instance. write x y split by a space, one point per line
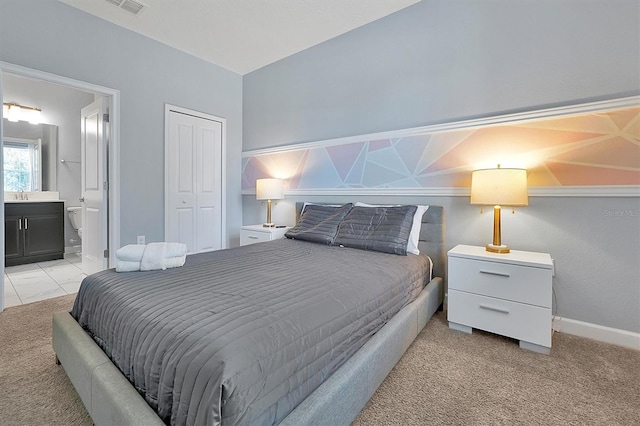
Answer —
32 197
33 201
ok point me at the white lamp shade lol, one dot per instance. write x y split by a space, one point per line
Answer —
269 189
504 187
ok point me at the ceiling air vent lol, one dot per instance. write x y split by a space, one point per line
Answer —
130 6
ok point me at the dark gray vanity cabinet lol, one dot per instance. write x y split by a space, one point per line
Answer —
34 232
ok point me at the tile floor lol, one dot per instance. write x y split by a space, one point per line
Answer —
44 280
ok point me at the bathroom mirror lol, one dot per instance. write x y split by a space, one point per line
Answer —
30 155
22 164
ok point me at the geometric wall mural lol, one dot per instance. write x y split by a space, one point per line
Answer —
598 148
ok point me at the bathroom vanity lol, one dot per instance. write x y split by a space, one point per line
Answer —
34 231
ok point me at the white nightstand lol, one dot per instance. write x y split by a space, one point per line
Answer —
507 294
251 234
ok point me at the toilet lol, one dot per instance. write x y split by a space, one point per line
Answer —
75 216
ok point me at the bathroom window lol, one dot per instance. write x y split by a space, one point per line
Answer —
22 165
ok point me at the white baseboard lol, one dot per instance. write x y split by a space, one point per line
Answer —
72 249
615 336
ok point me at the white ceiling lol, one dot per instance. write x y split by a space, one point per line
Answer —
243 35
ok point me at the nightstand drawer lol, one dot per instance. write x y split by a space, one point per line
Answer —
251 237
502 280
516 320
251 234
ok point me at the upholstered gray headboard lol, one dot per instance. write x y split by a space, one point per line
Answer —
432 239
432 235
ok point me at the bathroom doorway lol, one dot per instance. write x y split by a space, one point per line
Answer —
63 276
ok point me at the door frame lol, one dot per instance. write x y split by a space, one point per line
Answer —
168 108
113 101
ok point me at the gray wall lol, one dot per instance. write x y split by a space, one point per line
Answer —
446 60
50 36
60 107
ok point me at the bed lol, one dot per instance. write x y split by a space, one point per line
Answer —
327 395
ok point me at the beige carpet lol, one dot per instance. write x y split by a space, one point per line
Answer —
445 378
33 389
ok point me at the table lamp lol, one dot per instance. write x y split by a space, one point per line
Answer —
499 187
269 189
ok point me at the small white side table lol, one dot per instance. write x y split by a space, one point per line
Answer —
507 294
251 234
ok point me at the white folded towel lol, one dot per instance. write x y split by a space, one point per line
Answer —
154 256
162 255
131 252
127 266
171 262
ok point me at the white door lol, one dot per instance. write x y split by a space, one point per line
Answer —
194 182
94 190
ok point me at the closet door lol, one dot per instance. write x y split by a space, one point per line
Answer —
194 182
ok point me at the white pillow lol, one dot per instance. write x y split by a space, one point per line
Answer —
414 236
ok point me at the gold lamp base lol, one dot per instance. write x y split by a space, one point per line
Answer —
497 249
497 246
268 224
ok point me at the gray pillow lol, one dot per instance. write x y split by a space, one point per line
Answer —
318 223
384 229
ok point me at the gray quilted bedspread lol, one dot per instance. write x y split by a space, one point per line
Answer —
242 336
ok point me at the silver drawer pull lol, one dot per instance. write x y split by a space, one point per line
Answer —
500 274
491 308
253 237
